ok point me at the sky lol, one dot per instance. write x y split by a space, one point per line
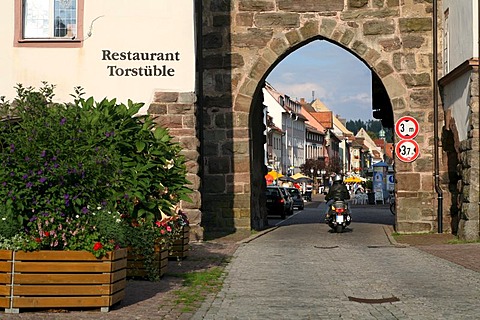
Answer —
338 78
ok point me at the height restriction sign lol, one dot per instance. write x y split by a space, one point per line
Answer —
407 127
407 150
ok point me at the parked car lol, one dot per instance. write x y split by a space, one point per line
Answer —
298 201
276 204
288 200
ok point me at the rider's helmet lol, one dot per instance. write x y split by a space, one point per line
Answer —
337 178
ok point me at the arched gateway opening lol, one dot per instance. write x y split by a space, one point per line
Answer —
381 109
244 40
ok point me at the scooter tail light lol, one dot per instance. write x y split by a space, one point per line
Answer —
339 210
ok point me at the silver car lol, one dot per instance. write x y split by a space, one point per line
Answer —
298 201
288 199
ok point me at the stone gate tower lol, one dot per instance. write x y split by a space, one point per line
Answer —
241 41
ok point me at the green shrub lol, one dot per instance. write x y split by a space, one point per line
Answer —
69 172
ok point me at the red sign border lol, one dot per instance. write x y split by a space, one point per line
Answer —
415 156
407 118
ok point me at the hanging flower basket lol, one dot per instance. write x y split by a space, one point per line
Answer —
180 247
61 279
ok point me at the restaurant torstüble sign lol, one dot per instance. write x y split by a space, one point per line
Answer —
149 70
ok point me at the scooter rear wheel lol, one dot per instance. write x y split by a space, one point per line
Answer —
339 228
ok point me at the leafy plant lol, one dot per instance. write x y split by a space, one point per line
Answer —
75 176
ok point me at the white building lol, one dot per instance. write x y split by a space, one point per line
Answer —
111 48
286 114
376 153
459 88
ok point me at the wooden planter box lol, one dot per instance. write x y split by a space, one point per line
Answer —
64 279
5 277
136 267
180 247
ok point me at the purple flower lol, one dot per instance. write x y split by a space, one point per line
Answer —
12 148
62 122
29 185
33 218
42 179
4 184
12 174
25 176
84 210
39 172
27 158
43 154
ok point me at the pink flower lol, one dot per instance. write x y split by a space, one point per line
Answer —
169 229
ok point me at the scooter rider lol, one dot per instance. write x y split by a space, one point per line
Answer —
338 191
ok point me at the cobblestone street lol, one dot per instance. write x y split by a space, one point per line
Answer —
300 270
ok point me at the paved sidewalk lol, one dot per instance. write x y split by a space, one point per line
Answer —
464 254
148 300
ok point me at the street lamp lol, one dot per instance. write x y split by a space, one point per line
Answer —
313 177
316 181
323 172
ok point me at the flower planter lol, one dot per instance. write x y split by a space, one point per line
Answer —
181 246
136 266
5 277
63 279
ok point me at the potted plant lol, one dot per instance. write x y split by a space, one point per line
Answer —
70 175
181 241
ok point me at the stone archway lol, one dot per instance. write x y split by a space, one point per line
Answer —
242 43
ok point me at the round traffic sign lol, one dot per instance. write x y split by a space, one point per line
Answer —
407 127
407 150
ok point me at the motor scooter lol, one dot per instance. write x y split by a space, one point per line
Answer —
338 216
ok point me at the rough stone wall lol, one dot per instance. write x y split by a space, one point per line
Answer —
177 112
244 39
469 227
